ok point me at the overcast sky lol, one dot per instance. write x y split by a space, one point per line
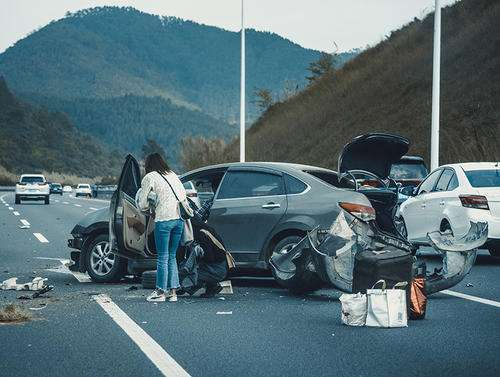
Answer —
314 24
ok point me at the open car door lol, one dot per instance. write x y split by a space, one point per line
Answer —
128 226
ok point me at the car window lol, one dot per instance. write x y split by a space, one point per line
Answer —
453 183
294 185
245 184
188 185
444 180
129 185
30 179
428 184
408 171
484 178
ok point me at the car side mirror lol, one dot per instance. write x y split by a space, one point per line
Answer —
408 191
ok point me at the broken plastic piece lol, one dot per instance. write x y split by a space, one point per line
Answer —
45 289
35 285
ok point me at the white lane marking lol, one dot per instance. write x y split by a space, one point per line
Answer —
77 205
25 222
11 209
15 213
56 200
472 298
65 202
64 269
93 209
41 237
158 356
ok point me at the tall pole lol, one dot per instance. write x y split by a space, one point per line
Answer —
436 68
242 86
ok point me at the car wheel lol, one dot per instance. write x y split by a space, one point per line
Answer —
285 245
47 199
102 265
149 279
18 199
494 250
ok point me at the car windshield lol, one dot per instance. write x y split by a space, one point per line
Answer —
484 178
83 186
32 179
408 171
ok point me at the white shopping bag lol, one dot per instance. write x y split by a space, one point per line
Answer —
386 307
353 309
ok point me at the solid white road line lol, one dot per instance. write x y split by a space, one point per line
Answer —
77 205
25 222
41 237
15 213
472 298
158 356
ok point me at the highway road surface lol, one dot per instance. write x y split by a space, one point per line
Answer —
86 329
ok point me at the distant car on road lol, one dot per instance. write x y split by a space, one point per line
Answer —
56 188
67 188
450 198
32 187
83 189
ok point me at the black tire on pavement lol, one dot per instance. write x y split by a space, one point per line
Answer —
97 254
285 245
47 199
17 200
149 279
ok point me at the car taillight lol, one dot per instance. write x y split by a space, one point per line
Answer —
474 201
362 212
192 194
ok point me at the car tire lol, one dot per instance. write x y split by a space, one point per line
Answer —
494 250
47 199
102 265
149 279
286 244
17 200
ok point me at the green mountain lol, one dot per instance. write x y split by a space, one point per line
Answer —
127 122
388 88
34 139
111 52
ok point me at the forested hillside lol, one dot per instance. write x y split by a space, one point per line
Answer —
33 139
388 88
110 52
126 122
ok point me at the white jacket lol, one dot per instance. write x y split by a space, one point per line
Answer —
167 206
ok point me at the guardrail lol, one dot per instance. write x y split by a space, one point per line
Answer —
7 188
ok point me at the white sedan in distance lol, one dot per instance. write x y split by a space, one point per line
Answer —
32 187
83 189
67 188
450 198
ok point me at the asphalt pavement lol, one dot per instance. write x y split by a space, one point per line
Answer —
87 329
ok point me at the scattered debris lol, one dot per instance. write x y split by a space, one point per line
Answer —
227 287
145 322
221 298
24 298
132 288
35 285
40 307
45 289
225 313
13 314
469 285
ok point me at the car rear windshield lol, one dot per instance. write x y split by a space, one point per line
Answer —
58 185
331 178
32 179
83 186
484 178
408 171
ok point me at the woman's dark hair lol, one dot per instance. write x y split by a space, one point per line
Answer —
155 162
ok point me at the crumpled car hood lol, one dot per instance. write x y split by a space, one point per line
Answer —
374 152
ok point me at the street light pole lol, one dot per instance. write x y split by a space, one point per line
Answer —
242 86
436 68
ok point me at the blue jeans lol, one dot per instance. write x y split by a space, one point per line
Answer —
167 238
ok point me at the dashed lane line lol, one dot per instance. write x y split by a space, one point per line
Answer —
15 213
93 209
11 209
41 237
25 222
158 356
65 203
77 205
472 298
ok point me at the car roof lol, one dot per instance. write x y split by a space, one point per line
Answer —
466 166
32 175
283 166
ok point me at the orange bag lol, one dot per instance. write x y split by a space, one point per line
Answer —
418 298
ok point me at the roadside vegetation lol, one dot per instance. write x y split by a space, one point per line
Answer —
13 314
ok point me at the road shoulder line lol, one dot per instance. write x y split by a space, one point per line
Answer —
472 298
158 356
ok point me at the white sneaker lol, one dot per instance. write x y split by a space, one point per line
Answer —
156 296
173 298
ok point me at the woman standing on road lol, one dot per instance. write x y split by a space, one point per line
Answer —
157 186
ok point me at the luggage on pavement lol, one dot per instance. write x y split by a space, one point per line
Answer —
386 307
353 309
